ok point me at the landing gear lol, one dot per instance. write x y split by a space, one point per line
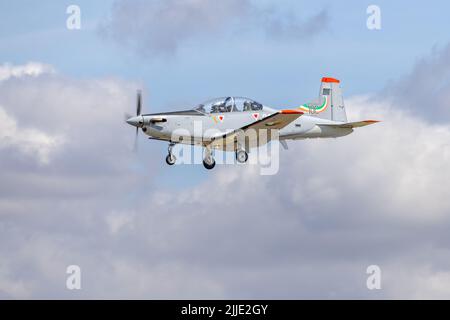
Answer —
171 159
241 156
208 161
209 165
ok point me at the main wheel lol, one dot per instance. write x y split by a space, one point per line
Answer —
170 159
241 156
209 165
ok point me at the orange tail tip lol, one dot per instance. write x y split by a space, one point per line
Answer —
328 79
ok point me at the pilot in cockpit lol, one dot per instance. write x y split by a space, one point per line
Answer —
252 106
256 106
218 107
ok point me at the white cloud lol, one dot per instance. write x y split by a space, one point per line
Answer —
162 27
433 286
13 288
377 196
119 220
31 69
425 91
30 142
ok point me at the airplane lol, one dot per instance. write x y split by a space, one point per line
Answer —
220 123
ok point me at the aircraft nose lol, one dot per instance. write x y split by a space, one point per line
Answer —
134 121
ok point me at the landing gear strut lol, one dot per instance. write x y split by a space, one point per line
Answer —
241 156
208 161
171 159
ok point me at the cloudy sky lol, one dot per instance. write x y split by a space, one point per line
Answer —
72 192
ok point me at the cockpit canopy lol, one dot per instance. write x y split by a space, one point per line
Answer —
229 104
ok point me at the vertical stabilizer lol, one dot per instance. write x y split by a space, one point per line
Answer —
331 103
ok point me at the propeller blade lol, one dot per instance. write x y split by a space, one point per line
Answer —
133 120
135 148
139 103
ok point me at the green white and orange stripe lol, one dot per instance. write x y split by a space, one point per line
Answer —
313 108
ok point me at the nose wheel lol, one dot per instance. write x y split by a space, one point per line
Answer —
241 156
171 159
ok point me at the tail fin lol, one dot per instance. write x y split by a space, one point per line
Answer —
331 103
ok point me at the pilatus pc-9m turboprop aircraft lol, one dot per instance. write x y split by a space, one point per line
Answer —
221 123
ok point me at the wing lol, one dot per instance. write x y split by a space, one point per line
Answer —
351 125
253 131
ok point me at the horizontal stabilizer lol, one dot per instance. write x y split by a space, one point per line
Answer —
351 125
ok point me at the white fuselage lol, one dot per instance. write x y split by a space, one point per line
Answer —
197 127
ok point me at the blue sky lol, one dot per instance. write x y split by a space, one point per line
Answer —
276 72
